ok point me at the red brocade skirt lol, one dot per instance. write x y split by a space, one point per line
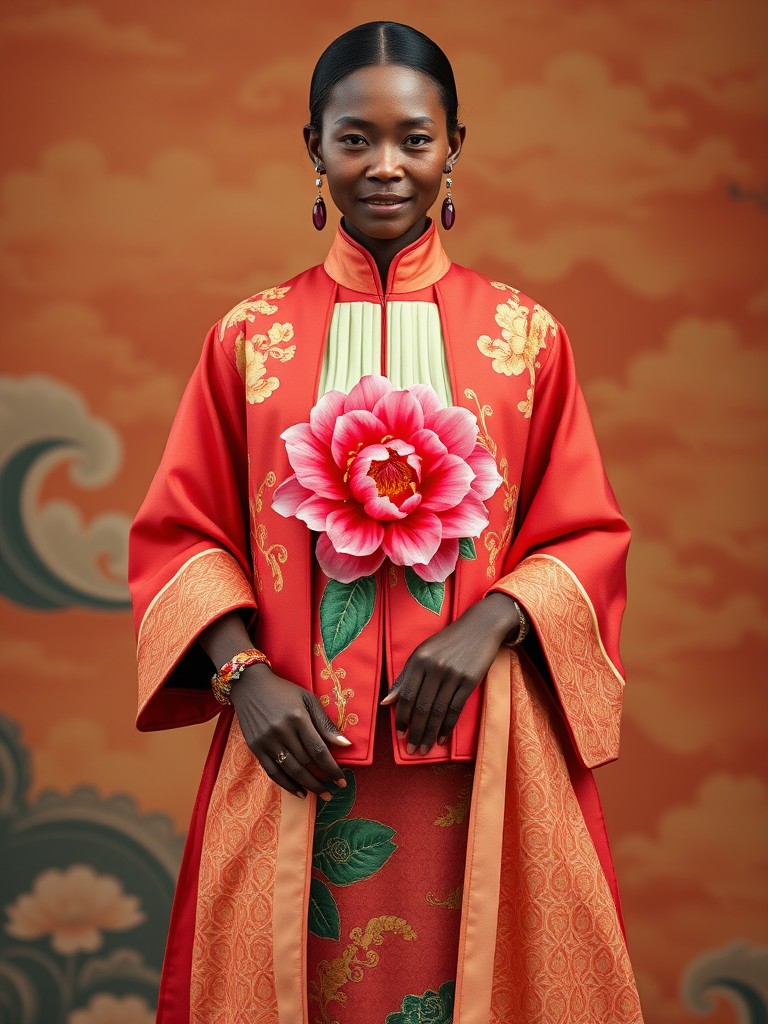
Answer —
385 898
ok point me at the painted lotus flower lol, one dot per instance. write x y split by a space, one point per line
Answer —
108 1009
74 907
385 473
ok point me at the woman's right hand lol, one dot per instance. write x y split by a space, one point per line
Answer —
278 717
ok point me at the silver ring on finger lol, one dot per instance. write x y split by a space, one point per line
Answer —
281 757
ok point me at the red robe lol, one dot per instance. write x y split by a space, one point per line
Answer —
541 934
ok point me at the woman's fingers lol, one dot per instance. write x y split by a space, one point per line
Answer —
278 776
296 767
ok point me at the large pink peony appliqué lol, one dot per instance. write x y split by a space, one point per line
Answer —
385 473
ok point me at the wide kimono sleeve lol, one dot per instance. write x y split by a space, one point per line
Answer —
566 565
189 559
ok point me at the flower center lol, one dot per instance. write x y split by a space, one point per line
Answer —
393 477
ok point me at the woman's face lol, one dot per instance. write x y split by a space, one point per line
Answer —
383 144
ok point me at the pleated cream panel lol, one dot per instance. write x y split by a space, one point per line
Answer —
416 353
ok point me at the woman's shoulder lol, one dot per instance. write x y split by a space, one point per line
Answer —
495 291
265 303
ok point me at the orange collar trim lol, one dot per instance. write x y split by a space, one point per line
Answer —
419 265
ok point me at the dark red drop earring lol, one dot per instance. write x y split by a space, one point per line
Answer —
319 212
448 211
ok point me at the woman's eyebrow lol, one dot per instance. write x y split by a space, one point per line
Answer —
359 122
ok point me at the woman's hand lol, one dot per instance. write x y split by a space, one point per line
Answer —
278 717
443 671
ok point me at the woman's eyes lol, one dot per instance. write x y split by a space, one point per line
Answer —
358 141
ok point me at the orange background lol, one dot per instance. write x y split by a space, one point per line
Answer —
153 174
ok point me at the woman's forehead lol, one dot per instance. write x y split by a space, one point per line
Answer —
384 92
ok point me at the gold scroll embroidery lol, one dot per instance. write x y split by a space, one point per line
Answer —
341 695
451 902
495 542
336 974
274 555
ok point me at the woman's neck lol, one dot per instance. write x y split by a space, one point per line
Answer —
384 250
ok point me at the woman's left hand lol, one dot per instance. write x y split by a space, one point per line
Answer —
444 670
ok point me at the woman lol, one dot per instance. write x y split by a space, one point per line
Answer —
382 523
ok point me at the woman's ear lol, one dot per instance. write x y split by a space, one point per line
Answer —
455 143
312 142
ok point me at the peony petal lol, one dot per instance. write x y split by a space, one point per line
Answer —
442 565
364 490
401 413
312 463
487 479
352 532
411 504
457 429
447 484
414 539
468 519
288 496
315 509
429 446
323 417
353 431
428 399
366 393
345 568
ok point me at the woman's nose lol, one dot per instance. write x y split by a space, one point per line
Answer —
385 163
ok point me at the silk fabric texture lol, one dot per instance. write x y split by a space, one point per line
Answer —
541 935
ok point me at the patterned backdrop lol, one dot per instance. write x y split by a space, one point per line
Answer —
152 175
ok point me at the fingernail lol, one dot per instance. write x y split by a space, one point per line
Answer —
326 796
424 748
301 796
344 740
400 733
411 748
441 740
341 782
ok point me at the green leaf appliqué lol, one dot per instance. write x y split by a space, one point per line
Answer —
354 849
323 920
340 804
345 611
429 595
431 1008
467 549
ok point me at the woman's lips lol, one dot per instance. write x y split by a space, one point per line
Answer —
385 203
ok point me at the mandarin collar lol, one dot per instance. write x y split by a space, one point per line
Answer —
418 265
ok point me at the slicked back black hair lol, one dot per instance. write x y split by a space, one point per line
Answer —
381 42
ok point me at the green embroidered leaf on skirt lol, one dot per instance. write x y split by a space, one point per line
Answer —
323 918
431 1008
353 849
429 595
467 548
345 611
340 804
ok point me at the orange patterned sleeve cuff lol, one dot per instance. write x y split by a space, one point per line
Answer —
207 586
588 684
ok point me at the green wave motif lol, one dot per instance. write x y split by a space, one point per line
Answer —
25 578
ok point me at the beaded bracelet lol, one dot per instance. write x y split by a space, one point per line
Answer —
522 628
228 674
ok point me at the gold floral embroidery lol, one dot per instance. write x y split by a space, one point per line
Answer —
505 287
495 542
336 974
251 355
456 814
520 342
248 309
451 902
275 555
340 695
